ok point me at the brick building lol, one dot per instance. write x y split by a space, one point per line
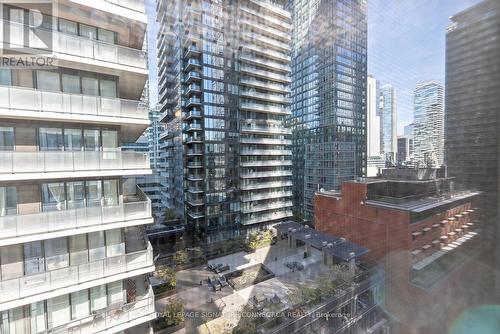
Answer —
422 230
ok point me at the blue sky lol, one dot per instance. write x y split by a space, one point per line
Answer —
406 45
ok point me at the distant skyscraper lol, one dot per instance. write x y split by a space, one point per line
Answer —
373 118
472 125
405 150
408 130
328 109
388 113
429 124
224 75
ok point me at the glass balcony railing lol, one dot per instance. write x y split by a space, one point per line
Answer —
80 46
44 222
15 162
270 141
31 285
104 321
19 98
262 218
264 108
265 152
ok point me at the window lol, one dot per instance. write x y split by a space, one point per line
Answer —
98 298
6 138
114 244
111 192
58 311
109 140
68 27
71 83
72 139
34 261
75 195
8 201
91 140
80 304
90 86
94 193
115 292
51 139
108 88
53 196
37 317
88 31
5 77
56 253
96 246
106 36
47 80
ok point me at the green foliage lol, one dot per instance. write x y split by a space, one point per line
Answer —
259 240
172 315
180 257
166 274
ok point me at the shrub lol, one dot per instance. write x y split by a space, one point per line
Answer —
180 257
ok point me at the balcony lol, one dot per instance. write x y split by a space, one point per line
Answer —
191 63
272 65
65 45
271 76
192 51
192 127
195 214
28 103
195 164
194 113
192 102
266 141
195 202
194 140
266 218
59 281
279 34
276 98
284 89
266 129
37 226
195 189
257 175
265 185
282 24
264 108
264 207
192 76
266 195
18 165
266 163
265 152
194 152
192 89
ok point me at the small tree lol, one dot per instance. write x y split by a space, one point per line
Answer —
167 274
174 312
180 257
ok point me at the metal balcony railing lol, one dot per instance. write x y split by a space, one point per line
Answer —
15 162
38 283
79 46
18 98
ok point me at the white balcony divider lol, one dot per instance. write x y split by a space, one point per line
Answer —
42 101
135 5
14 162
34 284
45 222
80 46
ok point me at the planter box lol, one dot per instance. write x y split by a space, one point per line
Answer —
171 329
166 294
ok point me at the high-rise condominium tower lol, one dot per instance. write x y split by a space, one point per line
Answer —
328 96
224 76
73 257
428 120
472 124
388 114
373 118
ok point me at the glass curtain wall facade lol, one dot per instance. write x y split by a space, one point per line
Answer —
428 120
388 114
228 81
328 119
